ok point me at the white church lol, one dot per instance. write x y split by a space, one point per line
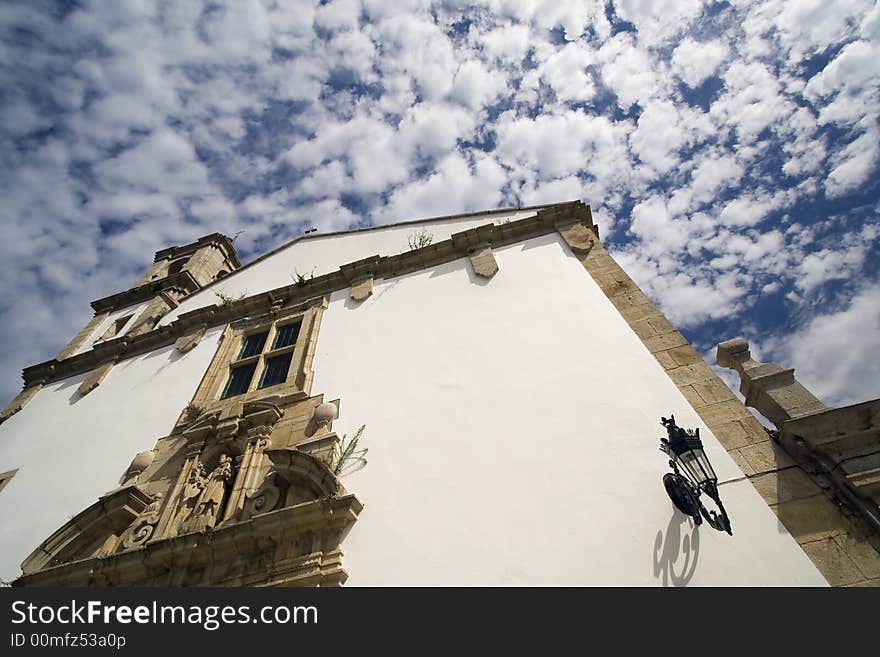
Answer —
505 381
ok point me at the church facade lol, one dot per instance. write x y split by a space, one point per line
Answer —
465 400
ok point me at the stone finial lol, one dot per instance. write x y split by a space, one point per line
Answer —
768 387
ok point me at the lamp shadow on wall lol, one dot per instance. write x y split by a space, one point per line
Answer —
676 555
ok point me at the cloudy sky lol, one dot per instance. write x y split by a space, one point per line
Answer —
729 149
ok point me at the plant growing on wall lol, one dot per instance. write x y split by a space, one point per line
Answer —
419 240
192 411
302 279
228 299
349 458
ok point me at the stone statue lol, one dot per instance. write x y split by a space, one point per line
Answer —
203 497
190 497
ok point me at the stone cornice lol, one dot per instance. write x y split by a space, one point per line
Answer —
460 245
181 282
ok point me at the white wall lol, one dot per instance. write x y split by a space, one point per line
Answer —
93 337
513 429
70 450
322 254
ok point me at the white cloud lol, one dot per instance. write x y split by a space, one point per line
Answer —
338 15
714 174
557 146
134 125
507 44
565 71
476 86
456 186
694 61
854 165
751 208
752 101
627 70
833 354
658 20
662 130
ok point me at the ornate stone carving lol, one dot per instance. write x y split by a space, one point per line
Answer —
237 513
76 539
141 530
262 500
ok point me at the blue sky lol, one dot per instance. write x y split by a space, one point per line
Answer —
729 149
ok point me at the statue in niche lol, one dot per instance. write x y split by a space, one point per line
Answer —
204 512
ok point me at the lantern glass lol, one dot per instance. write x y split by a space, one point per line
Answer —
706 467
688 461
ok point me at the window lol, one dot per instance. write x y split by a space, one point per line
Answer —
268 355
263 359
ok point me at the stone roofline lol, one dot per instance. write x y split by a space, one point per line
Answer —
547 219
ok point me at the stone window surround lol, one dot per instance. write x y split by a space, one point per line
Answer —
261 358
299 375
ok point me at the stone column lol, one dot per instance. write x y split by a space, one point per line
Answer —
251 471
768 387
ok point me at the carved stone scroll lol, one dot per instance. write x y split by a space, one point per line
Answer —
141 530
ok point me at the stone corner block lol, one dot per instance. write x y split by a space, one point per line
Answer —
580 238
189 341
94 379
362 289
483 262
732 351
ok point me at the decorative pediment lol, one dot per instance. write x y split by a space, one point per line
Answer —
85 533
217 491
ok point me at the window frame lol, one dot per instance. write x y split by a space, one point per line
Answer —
297 383
267 351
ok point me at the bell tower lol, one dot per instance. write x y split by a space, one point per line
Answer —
176 272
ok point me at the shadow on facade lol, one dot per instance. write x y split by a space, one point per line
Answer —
676 553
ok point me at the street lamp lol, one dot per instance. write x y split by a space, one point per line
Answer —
691 475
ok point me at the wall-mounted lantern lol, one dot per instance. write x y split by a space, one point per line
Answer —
691 475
